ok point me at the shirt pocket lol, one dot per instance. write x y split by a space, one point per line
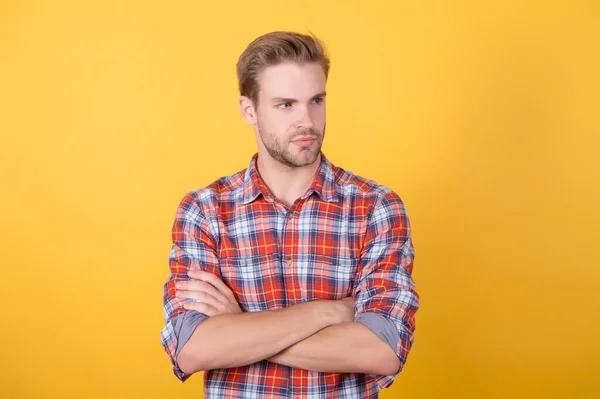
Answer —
255 281
329 277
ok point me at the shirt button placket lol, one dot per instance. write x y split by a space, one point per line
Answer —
289 216
288 256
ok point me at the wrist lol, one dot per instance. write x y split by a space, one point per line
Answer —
327 312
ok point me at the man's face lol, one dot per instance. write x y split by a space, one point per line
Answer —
291 113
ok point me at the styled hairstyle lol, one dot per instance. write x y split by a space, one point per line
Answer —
275 48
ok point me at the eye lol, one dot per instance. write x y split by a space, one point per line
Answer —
318 100
285 105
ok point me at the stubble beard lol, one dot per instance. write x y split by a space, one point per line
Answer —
279 151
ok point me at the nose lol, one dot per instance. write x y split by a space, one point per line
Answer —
305 119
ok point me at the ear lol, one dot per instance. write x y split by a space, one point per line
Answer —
248 111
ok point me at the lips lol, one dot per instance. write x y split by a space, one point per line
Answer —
304 141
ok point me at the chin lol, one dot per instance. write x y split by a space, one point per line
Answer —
307 157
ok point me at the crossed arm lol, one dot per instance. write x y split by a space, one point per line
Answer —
319 335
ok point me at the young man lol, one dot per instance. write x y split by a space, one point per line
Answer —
291 278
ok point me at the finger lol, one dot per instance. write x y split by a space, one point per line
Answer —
212 279
203 286
202 308
200 296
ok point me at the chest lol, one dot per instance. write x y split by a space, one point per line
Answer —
273 258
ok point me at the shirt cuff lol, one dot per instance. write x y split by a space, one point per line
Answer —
387 331
184 326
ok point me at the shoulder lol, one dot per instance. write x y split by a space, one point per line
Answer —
378 203
351 184
221 192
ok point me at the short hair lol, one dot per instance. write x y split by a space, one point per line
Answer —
275 48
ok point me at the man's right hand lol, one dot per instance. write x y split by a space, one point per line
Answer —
342 309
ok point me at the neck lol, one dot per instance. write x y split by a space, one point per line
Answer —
286 183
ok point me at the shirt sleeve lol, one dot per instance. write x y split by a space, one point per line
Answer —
384 290
194 248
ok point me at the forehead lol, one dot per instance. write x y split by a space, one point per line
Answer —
292 80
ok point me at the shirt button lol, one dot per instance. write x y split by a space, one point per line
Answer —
288 262
290 215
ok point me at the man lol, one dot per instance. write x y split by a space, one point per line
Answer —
291 278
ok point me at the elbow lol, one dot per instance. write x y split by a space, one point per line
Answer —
186 363
190 362
387 364
390 368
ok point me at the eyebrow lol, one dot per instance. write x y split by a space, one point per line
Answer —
293 100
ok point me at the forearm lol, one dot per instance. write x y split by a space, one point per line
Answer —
344 348
233 340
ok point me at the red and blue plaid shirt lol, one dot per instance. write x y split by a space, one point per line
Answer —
346 236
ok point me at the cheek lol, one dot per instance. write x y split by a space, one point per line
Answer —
270 120
281 124
319 115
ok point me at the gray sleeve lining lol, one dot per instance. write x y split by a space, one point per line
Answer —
384 328
184 326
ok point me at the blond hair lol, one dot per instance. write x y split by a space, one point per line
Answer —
275 48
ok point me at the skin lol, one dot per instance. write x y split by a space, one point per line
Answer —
291 106
319 335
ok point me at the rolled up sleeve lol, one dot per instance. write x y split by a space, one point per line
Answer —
386 299
193 249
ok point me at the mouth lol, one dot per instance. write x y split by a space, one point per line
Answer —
304 141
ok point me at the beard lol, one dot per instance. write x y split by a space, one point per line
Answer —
278 148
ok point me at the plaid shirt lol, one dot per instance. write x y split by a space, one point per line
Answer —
345 236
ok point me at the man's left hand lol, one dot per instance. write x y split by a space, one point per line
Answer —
214 296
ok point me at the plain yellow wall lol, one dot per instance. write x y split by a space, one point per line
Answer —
483 116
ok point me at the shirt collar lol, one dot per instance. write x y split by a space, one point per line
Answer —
323 183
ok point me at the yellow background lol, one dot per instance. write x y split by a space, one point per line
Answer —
483 116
